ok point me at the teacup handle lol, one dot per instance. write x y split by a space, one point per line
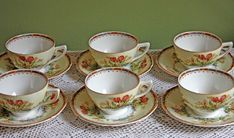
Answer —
227 45
144 88
63 48
146 46
52 95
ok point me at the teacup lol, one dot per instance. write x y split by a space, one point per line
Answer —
199 49
206 90
112 89
21 91
116 49
33 50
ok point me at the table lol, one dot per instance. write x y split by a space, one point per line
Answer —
67 125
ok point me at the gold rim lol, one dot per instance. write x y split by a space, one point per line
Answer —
196 32
205 69
30 34
24 71
164 107
143 73
42 121
114 125
112 69
113 32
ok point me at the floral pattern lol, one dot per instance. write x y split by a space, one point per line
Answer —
28 62
89 64
86 109
142 101
117 102
213 102
181 109
15 105
200 60
139 65
116 61
93 111
207 57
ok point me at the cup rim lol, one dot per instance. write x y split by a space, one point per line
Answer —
111 68
197 32
30 34
113 32
24 70
205 69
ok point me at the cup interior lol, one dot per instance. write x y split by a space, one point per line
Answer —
29 44
111 81
206 81
113 42
197 42
21 83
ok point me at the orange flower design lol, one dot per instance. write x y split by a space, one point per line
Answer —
121 58
30 59
118 59
144 99
218 100
125 98
117 99
84 109
19 102
205 57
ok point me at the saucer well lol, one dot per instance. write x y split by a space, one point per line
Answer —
86 64
47 112
55 69
173 105
84 108
168 62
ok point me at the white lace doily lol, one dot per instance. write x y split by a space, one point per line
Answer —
160 125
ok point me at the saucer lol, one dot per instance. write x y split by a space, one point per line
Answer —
84 108
47 112
168 62
55 69
86 64
173 105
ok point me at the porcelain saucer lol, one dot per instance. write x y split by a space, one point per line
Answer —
84 108
168 62
86 64
55 69
49 112
173 105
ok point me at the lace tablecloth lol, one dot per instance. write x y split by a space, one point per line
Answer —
67 125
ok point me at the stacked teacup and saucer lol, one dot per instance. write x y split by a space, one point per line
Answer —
26 97
195 49
113 94
204 95
35 51
115 49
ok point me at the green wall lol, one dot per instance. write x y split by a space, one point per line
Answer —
73 21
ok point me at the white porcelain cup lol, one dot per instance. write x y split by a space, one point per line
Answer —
112 89
200 49
33 50
23 90
206 90
116 49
